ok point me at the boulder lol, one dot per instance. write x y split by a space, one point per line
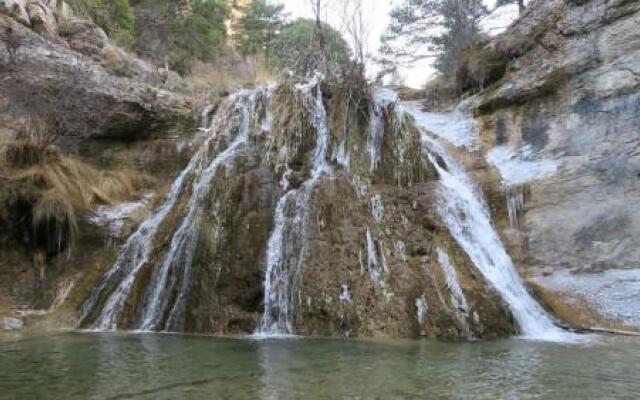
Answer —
16 9
93 101
84 36
42 18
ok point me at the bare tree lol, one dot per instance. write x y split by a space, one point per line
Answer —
521 4
355 27
317 8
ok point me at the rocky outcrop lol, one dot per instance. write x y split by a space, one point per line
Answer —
48 74
43 16
562 129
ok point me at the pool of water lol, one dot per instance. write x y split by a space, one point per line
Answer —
153 366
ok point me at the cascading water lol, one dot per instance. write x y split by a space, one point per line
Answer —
467 218
183 243
132 257
135 254
285 248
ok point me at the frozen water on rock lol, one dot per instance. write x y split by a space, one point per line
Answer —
375 134
401 251
377 208
373 262
454 127
382 100
343 157
518 166
421 311
613 293
459 302
515 205
345 294
114 217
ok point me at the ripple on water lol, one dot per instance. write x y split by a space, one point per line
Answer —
151 366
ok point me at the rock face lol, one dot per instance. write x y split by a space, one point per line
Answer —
562 129
45 73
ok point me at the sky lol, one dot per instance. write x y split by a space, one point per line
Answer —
376 15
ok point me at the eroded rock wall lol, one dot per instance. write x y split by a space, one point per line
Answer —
562 127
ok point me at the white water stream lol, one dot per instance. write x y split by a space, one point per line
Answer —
137 250
285 248
183 244
467 217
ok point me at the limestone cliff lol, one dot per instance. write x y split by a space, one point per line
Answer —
562 129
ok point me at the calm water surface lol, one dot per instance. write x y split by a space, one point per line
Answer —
147 366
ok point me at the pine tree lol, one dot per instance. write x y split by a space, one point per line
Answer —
438 29
259 28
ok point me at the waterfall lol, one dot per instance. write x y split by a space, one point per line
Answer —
466 215
131 258
117 284
183 243
285 248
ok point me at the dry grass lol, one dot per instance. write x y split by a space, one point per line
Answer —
58 187
123 63
248 72
479 67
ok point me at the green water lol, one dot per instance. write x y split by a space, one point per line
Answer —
146 366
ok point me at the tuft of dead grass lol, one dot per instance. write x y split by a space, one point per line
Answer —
247 72
57 188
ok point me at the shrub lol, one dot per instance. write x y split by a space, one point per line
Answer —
295 47
440 93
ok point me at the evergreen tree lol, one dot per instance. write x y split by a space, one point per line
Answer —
200 35
295 47
259 28
439 29
122 21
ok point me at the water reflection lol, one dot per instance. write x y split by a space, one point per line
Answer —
141 366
